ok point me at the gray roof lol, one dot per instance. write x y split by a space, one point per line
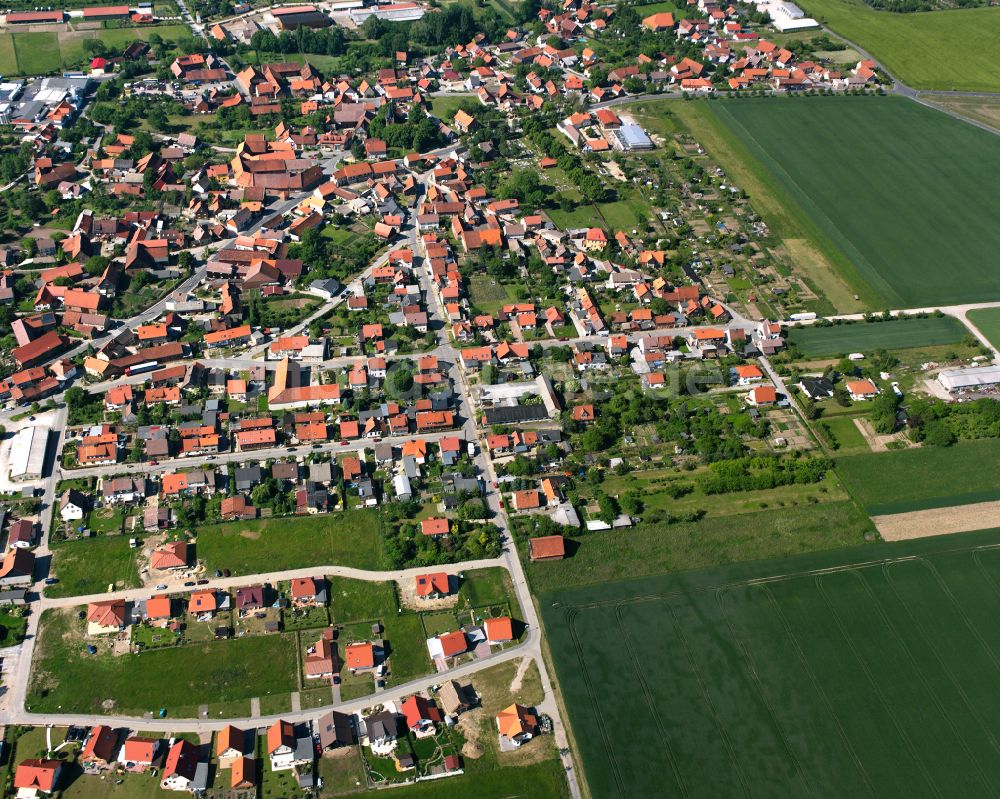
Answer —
335 729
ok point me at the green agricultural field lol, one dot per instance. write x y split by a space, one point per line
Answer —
656 548
927 477
907 43
817 342
225 674
866 672
987 320
266 545
884 214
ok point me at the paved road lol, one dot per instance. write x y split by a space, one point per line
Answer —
14 708
229 583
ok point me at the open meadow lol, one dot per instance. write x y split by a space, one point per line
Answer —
224 674
836 340
350 538
926 477
877 184
910 44
649 549
865 672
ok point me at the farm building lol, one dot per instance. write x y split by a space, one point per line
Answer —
976 377
27 453
33 17
301 16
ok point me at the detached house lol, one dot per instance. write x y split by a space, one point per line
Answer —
184 770
516 725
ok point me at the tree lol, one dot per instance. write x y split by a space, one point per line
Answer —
632 504
938 434
402 381
608 507
95 265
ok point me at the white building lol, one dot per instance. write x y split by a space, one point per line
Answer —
27 453
968 379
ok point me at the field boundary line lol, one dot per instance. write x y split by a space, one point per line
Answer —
650 703
894 632
817 685
750 667
708 701
874 280
943 585
866 669
983 570
571 616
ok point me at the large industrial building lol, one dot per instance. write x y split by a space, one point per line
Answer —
970 379
27 453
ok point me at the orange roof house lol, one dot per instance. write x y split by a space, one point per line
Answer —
499 630
549 547
517 723
38 775
203 602
433 584
360 656
435 526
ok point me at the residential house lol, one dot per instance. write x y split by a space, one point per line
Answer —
516 725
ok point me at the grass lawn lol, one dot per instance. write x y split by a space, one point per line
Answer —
654 548
37 52
652 484
8 58
815 342
12 627
926 477
90 566
846 434
543 780
341 771
133 786
444 108
884 214
625 214
484 587
488 295
263 545
988 322
219 673
581 215
361 600
907 43
408 658
782 678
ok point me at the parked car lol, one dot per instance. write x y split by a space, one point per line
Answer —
189 583
161 587
51 580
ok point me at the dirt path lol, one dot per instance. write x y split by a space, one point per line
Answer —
522 669
938 521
